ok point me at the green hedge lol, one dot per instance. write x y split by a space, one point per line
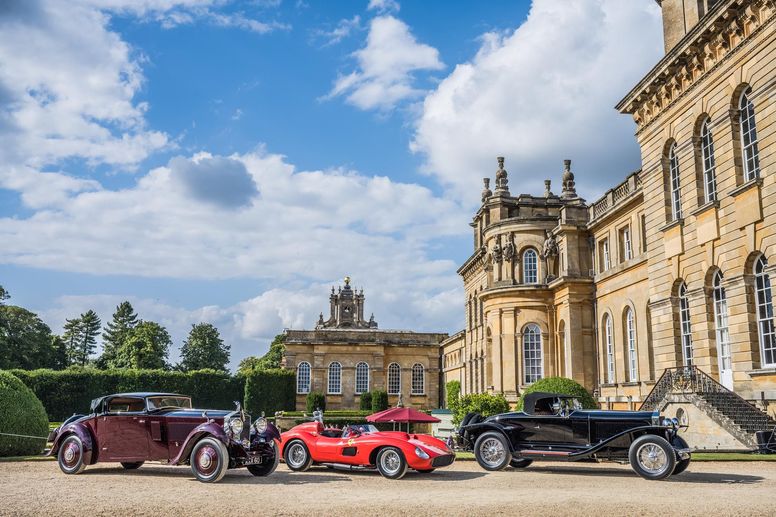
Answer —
269 391
560 385
365 401
20 413
315 401
379 400
485 404
70 391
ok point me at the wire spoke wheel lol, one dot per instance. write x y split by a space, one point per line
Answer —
492 451
390 462
652 458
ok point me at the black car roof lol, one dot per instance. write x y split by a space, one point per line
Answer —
530 400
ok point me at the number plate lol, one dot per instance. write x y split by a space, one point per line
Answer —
252 460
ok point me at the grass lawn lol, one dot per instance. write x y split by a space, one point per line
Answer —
696 456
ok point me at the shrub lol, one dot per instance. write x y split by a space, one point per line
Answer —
316 400
453 393
560 385
379 400
269 391
365 401
22 413
485 404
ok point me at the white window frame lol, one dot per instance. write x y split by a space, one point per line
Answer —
609 340
362 378
605 247
303 377
708 162
627 247
394 384
749 148
533 361
685 325
530 266
418 379
676 193
334 378
630 337
721 322
765 325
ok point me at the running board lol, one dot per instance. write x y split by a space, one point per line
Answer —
346 467
534 452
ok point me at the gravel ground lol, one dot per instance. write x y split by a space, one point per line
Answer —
723 488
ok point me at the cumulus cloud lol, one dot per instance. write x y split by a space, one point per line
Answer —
345 27
224 182
542 93
386 67
383 6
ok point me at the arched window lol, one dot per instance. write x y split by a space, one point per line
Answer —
335 378
709 167
721 322
609 341
765 313
530 269
684 323
418 379
303 377
673 174
362 378
751 154
630 339
532 354
394 379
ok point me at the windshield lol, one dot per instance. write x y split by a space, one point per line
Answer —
167 401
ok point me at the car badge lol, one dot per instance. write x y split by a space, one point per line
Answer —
351 441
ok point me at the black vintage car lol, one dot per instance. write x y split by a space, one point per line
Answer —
555 427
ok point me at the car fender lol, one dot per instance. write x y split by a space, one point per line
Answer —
206 429
82 432
307 438
473 431
630 435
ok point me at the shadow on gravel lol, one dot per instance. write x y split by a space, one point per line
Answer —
437 475
685 477
232 477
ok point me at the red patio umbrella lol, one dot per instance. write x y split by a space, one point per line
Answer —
402 415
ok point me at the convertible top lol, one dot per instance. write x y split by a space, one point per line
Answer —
530 400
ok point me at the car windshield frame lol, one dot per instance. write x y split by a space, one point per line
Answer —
159 402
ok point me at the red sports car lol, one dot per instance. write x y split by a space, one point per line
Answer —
362 446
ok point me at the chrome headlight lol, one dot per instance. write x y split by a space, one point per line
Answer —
236 426
420 453
260 425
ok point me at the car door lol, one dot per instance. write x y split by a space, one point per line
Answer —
123 430
546 430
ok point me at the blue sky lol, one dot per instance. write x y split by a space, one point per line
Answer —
223 161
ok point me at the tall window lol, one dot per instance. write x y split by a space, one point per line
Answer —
630 338
605 262
394 379
532 353
418 379
721 322
362 377
303 377
684 322
676 195
626 247
707 156
335 378
530 271
749 137
765 313
609 340
643 233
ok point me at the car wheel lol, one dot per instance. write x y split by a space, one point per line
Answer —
209 460
391 463
71 455
492 451
652 457
265 469
681 466
132 465
520 463
297 456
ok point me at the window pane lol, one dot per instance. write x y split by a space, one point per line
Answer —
418 380
532 354
362 378
335 378
394 379
303 378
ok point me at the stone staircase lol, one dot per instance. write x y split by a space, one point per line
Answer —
736 415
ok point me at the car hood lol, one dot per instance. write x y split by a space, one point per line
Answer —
192 413
598 414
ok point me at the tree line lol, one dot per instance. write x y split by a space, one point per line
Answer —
26 342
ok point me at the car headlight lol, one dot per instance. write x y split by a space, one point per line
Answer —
420 453
236 426
261 425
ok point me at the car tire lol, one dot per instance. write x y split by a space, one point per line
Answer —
652 457
520 463
132 465
71 455
209 460
681 466
492 451
297 456
265 469
391 463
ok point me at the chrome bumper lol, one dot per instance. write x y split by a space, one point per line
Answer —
682 454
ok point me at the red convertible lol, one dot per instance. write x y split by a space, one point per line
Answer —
362 446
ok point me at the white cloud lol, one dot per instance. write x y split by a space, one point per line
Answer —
383 6
540 94
344 28
387 65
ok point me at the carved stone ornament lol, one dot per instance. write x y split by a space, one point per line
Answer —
497 252
550 248
509 251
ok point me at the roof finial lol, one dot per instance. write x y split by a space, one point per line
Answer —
569 191
501 177
486 192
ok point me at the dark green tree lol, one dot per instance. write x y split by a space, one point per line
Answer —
25 341
71 338
146 346
204 348
268 361
247 365
4 295
58 353
81 337
116 333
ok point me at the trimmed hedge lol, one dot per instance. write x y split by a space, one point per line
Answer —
365 401
560 385
269 391
70 391
453 393
483 403
21 413
379 400
315 400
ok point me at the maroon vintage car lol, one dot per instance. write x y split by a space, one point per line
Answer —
132 428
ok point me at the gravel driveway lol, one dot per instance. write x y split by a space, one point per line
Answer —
741 488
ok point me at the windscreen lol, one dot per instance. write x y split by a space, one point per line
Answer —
167 401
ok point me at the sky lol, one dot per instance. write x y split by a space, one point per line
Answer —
228 162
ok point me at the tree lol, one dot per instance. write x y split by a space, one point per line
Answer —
269 361
25 341
4 295
248 364
146 346
116 333
81 337
204 348
71 337
58 353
